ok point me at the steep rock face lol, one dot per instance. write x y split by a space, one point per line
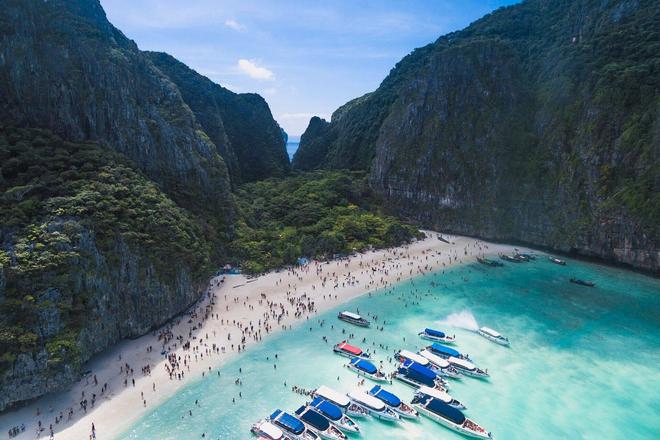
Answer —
90 252
64 67
539 123
241 125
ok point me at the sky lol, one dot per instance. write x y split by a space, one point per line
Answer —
305 58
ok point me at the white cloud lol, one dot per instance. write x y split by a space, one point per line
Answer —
233 24
250 68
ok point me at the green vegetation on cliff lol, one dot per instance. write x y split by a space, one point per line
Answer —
537 123
57 197
317 214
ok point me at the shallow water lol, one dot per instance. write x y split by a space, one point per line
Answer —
583 363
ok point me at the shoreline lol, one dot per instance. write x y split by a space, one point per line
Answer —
133 377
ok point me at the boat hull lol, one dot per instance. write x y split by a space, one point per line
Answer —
449 424
491 338
474 374
346 424
375 378
388 416
416 384
359 323
446 340
345 354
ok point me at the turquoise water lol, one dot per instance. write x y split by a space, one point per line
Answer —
583 363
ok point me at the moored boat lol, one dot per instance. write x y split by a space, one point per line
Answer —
394 402
353 318
509 258
349 351
291 426
557 261
265 429
526 257
317 423
416 375
467 368
341 400
441 395
334 414
365 368
489 262
448 416
375 407
493 336
403 355
442 365
446 352
436 336
582 282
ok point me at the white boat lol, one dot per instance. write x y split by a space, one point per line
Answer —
436 336
393 401
353 318
416 375
350 351
291 426
341 400
448 416
403 355
442 365
467 368
335 415
440 395
557 261
319 424
265 429
366 369
375 407
493 336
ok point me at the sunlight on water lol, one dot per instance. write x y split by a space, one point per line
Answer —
583 362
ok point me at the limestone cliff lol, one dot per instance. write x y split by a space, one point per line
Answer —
539 123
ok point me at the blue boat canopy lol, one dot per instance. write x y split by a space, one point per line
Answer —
288 422
441 408
315 419
387 397
330 410
419 373
363 365
444 350
438 333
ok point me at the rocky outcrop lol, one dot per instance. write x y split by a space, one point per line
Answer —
64 67
538 123
241 125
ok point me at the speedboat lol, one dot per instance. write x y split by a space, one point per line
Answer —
489 262
442 365
291 426
446 352
349 351
441 395
510 259
265 429
394 402
448 416
467 368
317 423
375 407
416 375
365 368
557 261
341 400
353 318
582 282
493 336
334 414
525 257
403 355
436 336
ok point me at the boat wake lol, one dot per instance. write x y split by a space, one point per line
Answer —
463 319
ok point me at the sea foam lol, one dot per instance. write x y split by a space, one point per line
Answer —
463 319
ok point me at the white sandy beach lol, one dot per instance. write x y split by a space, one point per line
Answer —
237 306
